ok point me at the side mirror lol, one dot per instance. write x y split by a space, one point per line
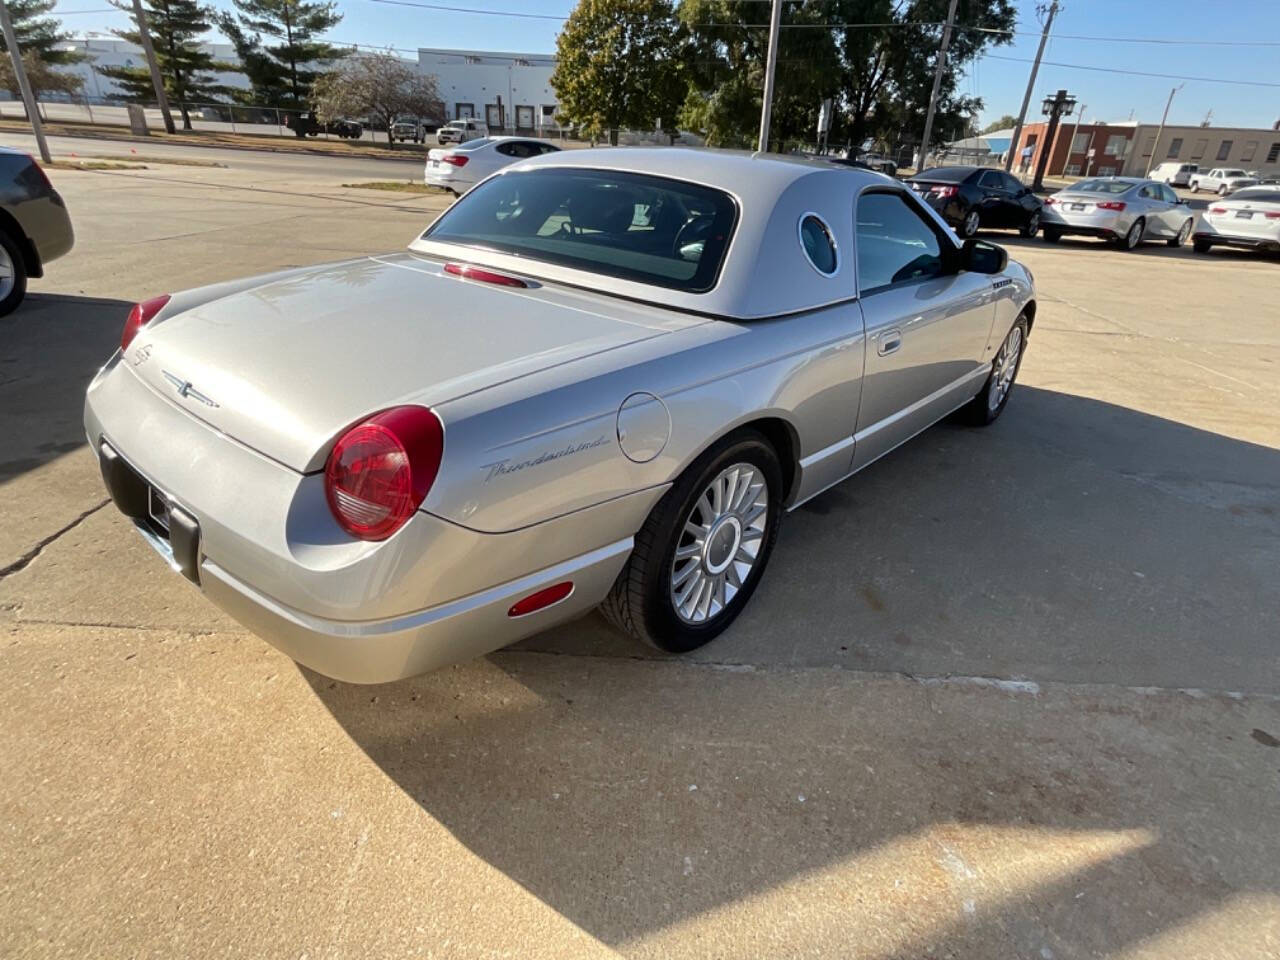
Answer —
1183 201
979 256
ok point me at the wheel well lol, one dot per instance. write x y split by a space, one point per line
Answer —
1029 311
30 259
782 437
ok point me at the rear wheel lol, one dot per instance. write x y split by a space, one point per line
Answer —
13 274
1132 239
703 549
1050 235
1201 246
969 225
1183 234
1195 186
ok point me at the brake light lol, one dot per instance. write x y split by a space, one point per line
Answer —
1111 205
455 159
1050 201
381 470
1273 215
468 272
141 314
1217 209
943 191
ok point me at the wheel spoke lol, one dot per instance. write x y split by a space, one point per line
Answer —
689 570
698 532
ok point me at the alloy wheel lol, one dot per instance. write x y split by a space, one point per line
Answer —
720 543
1134 236
1006 365
1184 233
7 275
971 223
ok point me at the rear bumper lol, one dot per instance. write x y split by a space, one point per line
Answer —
1107 226
1244 243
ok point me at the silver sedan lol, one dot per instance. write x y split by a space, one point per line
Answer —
1122 210
601 378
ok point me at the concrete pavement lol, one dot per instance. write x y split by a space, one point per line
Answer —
1008 693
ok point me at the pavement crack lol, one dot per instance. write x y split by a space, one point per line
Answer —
25 560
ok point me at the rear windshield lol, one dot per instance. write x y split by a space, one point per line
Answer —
1102 186
475 144
626 225
945 174
1258 195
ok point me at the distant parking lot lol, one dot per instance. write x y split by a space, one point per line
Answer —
1007 693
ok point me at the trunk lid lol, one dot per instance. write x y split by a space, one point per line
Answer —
285 366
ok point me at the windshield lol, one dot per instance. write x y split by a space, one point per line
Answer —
1234 173
1101 186
1258 195
626 225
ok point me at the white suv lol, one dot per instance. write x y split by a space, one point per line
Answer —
460 131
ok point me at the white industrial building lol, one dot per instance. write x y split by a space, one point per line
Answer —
507 90
112 52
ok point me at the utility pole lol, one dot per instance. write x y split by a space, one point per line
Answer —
937 81
771 66
1074 131
1031 82
150 51
24 86
1155 147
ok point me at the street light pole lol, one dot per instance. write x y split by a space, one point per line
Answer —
1156 146
156 80
1031 83
24 85
937 81
771 66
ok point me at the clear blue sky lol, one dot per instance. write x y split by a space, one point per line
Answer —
1108 96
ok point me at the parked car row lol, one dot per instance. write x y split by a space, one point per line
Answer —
458 169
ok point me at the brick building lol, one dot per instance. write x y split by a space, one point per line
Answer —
1070 151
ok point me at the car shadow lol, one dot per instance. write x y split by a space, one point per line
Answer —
1075 540
52 347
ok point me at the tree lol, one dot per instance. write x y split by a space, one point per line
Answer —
1004 123
43 46
619 63
380 85
283 70
175 27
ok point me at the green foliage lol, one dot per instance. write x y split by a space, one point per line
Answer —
39 38
41 75
620 64
282 67
176 27
1008 121
879 68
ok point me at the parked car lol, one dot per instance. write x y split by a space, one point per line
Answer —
880 163
599 378
1123 210
309 125
970 198
405 129
1175 174
1222 180
1250 218
460 168
460 131
34 225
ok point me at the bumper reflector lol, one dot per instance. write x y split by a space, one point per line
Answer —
542 599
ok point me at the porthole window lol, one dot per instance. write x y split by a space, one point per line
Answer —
819 246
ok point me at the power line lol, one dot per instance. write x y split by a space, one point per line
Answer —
1138 73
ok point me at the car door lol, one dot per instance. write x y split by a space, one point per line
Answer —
995 199
1154 209
1177 213
1022 202
927 322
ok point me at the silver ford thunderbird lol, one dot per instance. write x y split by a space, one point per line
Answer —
599 379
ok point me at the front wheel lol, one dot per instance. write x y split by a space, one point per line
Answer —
1195 186
994 395
13 275
703 548
1183 233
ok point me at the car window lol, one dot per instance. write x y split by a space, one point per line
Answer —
1167 195
1011 184
1102 186
475 144
894 242
819 245
631 226
1149 192
991 180
1258 195
517 148
548 148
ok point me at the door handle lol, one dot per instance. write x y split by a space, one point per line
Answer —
890 341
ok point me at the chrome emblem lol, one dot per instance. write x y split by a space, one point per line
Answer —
186 391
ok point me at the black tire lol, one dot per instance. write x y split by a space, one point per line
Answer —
1201 246
639 604
1180 239
1032 225
969 225
1195 186
978 411
1050 235
13 251
1123 242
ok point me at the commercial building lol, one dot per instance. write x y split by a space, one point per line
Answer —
509 91
1130 148
102 52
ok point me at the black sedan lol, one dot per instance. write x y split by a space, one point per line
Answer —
973 197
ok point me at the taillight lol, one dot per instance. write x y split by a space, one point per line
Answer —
1217 209
943 191
381 470
455 159
1049 201
141 314
468 272
1111 205
1274 215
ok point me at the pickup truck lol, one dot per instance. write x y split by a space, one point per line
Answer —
1222 180
406 128
309 125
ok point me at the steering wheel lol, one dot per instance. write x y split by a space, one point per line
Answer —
694 229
